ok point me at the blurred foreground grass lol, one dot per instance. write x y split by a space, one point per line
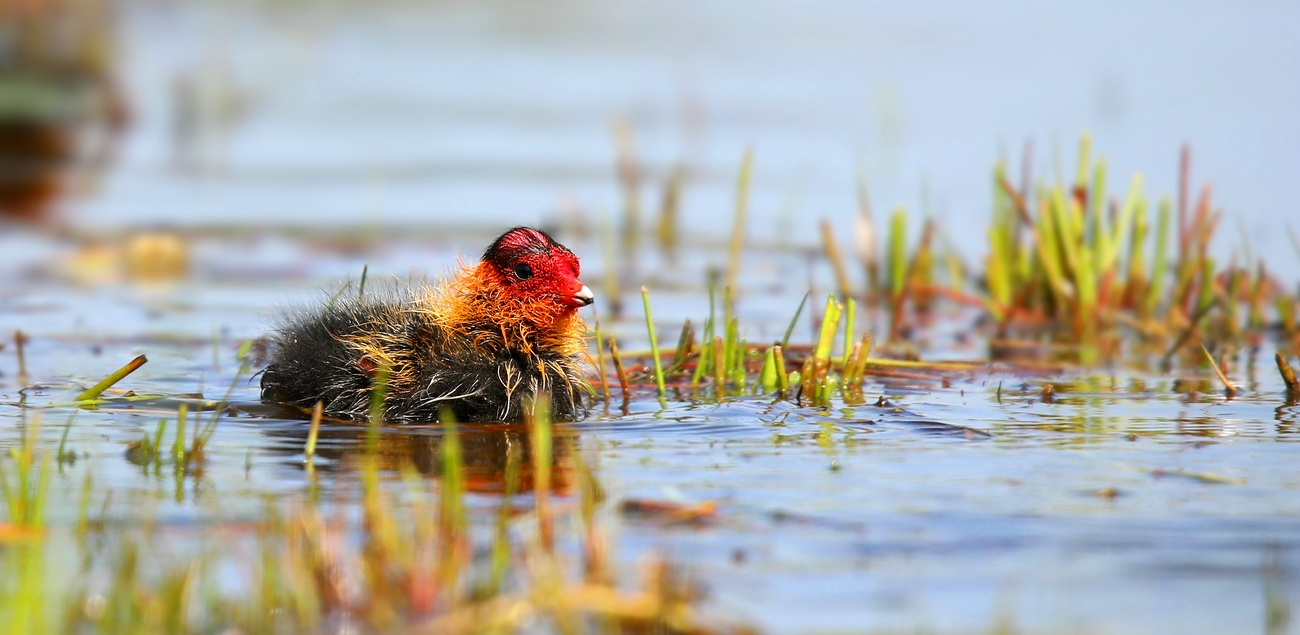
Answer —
405 559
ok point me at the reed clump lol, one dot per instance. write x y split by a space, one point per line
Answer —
1105 275
1075 274
722 364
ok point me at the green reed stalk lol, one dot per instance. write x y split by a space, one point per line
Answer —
654 344
83 505
501 540
738 221
735 355
830 323
378 396
704 362
767 376
807 379
25 500
629 178
1096 238
704 367
20 340
820 381
1065 218
860 367
729 331
836 259
1085 159
600 359
789 330
589 494
116 376
1207 285
850 362
1159 259
452 513
201 437
178 446
609 255
742 370
870 257
156 449
782 379
851 309
317 412
1123 225
542 436
1097 197
1049 252
1136 274
719 368
335 298
897 254
1286 314
956 275
1086 319
623 382
1255 317
1185 278
999 269
61 455
1231 310
667 227
685 342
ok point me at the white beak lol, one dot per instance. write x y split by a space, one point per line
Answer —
584 296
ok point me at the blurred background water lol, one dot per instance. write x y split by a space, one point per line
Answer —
499 113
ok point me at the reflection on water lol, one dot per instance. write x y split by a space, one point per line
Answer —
486 450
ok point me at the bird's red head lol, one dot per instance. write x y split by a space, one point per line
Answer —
532 267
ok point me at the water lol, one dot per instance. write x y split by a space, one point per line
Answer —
1127 504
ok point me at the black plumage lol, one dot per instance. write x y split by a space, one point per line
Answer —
481 345
315 358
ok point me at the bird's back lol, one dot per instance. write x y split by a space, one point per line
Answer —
334 355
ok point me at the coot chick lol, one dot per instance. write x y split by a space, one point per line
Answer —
482 343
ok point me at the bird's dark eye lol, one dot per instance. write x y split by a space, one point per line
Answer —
523 271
